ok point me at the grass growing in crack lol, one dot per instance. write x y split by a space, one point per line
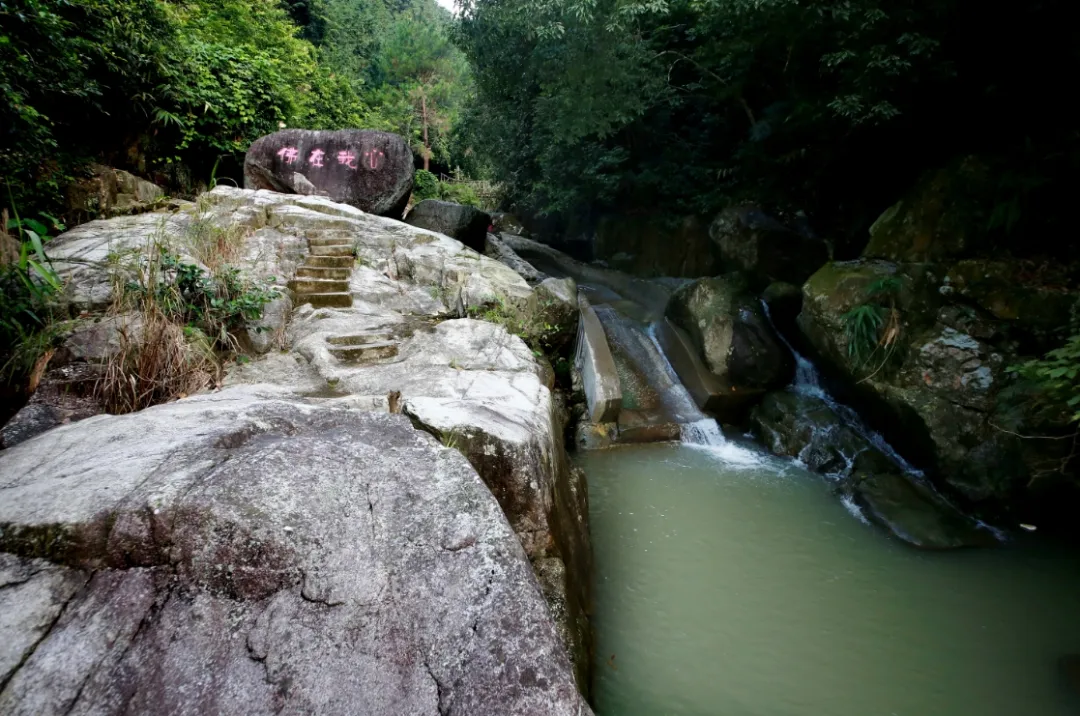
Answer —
211 244
873 328
177 323
452 440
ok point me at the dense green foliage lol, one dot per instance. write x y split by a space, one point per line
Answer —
170 89
831 106
27 285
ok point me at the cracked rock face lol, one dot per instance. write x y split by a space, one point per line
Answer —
247 552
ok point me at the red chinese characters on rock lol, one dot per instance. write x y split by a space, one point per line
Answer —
373 158
347 158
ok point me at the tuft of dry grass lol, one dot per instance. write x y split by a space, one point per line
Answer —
212 245
158 361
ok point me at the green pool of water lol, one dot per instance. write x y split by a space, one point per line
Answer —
739 585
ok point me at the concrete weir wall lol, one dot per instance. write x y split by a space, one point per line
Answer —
596 366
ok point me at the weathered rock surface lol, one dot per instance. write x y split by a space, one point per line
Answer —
499 250
396 349
810 429
607 286
370 170
111 192
732 333
596 366
467 224
941 391
247 552
766 248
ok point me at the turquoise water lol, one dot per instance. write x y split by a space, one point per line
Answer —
732 583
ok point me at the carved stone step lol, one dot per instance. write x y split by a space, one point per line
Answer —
332 250
326 300
340 274
330 241
361 340
345 262
365 353
318 285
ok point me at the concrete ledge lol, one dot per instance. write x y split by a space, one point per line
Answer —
594 362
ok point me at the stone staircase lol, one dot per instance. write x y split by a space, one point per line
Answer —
323 280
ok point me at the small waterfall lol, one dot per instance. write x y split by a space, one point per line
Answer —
702 432
808 382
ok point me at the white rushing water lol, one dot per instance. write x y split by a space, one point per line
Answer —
808 382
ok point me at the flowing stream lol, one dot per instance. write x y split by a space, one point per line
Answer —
731 582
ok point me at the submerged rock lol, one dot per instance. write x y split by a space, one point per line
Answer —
467 224
732 333
370 170
248 553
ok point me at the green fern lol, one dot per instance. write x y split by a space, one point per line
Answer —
862 326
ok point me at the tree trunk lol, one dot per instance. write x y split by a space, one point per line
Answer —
424 123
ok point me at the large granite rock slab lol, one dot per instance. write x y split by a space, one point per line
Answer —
247 552
399 347
370 170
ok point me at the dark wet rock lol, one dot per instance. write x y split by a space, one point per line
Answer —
33 419
784 301
65 394
731 332
656 245
766 248
467 224
370 170
499 250
809 428
915 513
227 554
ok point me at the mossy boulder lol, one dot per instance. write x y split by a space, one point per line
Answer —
765 247
943 217
729 327
838 287
1033 301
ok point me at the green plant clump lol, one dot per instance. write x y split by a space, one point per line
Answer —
217 304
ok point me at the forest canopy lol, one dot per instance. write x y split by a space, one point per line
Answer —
829 106
178 90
